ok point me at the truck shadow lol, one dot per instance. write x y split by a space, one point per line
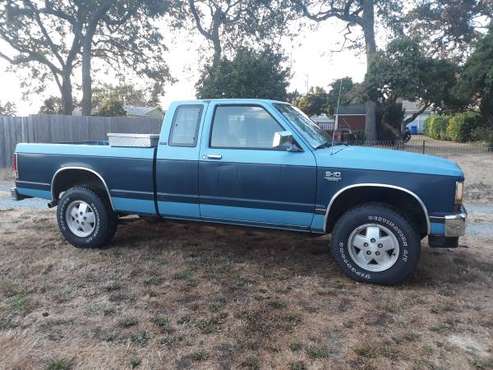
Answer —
275 252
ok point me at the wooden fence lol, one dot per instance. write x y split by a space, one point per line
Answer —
59 128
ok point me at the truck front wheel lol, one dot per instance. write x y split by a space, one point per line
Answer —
373 243
85 218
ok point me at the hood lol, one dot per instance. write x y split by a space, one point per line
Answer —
359 157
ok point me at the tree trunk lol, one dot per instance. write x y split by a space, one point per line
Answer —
216 59
86 76
371 50
66 91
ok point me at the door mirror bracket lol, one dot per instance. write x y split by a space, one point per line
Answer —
285 139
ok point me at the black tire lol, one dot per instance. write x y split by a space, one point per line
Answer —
383 217
106 220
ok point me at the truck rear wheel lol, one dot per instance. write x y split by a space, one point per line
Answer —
373 243
85 218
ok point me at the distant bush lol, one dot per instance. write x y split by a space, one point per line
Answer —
459 127
436 127
482 133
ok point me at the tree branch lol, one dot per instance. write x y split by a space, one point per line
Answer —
415 115
50 42
196 16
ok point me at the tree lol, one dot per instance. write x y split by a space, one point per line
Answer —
8 109
315 102
52 38
250 74
356 13
403 71
293 96
38 38
111 107
127 94
476 81
318 101
448 27
342 91
122 33
228 24
52 105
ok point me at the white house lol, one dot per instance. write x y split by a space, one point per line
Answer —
417 126
137 111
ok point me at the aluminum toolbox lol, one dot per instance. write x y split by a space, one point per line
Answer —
133 140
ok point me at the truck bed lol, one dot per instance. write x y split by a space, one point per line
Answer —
127 171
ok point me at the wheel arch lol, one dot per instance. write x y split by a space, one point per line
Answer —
69 176
369 192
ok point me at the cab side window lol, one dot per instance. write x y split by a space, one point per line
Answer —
243 127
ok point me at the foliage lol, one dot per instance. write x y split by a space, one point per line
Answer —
360 14
403 71
228 25
436 126
38 42
315 102
8 109
293 96
462 125
250 74
390 116
477 78
48 39
127 94
111 107
318 101
448 27
52 105
459 127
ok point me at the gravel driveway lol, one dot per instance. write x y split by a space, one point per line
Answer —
7 203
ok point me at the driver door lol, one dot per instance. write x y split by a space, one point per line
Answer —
243 179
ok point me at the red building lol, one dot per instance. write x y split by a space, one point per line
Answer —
352 118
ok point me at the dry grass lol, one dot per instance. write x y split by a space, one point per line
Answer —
184 296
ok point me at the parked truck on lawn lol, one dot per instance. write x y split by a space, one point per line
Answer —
254 163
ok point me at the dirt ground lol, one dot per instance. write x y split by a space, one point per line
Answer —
183 296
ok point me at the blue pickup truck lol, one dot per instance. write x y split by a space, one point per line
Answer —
259 163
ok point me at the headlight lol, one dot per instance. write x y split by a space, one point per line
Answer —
459 192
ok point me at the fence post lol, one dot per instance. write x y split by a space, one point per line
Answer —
423 147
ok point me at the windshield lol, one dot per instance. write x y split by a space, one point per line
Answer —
314 134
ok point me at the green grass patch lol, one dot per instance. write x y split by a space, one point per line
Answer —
199 356
318 351
128 322
141 338
163 323
59 364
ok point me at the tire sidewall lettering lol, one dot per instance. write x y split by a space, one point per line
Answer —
403 232
99 218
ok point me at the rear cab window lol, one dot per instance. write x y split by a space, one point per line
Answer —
185 125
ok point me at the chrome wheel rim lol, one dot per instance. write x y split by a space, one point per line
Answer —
373 247
80 218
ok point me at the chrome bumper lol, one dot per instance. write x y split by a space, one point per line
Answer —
455 225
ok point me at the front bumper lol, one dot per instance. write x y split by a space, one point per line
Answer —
451 227
455 225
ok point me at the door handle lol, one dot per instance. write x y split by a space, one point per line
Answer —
214 156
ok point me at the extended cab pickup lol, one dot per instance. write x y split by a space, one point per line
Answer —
254 162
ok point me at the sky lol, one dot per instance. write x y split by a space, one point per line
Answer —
313 57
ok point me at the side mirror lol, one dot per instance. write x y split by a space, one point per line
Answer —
285 139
